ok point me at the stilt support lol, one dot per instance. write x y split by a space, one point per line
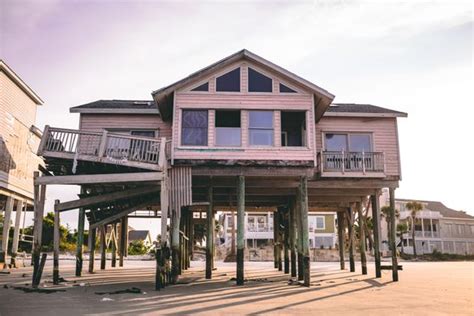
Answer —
240 229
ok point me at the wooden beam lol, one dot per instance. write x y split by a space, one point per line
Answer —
376 228
286 242
340 236
292 239
252 171
363 255
121 214
350 225
103 198
16 232
209 234
393 235
240 229
92 236
6 231
101 178
40 196
123 232
304 230
299 239
103 246
56 233
175 253
80 240
114 245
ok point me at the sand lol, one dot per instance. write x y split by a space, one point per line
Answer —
434 288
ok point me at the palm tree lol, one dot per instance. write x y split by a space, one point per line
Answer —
414 207
402 228
385 212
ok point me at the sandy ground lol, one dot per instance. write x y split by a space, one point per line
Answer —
424 288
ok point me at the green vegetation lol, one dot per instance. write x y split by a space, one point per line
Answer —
439 256
414 207
137 247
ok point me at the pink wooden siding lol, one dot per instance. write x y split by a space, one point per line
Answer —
212 100
384 132
98 122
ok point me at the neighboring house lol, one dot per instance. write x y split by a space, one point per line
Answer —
19 140
140 235
436 227
259 229
242 122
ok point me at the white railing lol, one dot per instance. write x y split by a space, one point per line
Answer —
103 145
341 161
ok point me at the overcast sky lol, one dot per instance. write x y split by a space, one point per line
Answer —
413 56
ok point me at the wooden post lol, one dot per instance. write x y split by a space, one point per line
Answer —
376 227
304 229
279 240
123 232
299 239
37 276
16 233
240 229
191 237
393 235
363 255
56 246
125 225
340 235
286 242
210 234
292 229
275 240
103 246
175 253
164 205
92 236
6 231
114 245
39 198
80 241
350 225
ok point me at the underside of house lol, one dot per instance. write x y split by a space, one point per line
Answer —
241 135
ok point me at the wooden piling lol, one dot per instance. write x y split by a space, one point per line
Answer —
103 246
303 188
350 225
6 231
175 253
292 229
240 229
275 240
340 236
56 231
286 242
92 237
39 272
363 255
376 227
393 235
114 245
279 240
210 234
39 197
16 232
80 241
122 245
299 240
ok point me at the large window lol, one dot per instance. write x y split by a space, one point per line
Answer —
348 142
259 82
293 128
229 82
257 223
316 223
228 128
261 128
194 128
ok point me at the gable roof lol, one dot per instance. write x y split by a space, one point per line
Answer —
20 83
138 235
117 106
164 96
441 208
342 109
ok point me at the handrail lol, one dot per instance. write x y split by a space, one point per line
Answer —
351 161
104 145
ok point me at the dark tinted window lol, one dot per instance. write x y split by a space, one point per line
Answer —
286 89
203 87
194 128
227 118
230 82
259 82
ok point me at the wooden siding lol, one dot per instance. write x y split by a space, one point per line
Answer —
18 144
383 130
98 122
244 101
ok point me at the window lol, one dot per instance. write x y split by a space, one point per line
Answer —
316 223
293 128
320 222
229 82
286 89
194 128
228 128
257 223
203 87
348 142
261 128
146 133
259 82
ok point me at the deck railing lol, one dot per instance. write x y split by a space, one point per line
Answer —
109 146
342 161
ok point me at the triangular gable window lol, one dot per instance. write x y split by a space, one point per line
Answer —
203 87
258 82
229 82
286 89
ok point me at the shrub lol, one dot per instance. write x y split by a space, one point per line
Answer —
137 247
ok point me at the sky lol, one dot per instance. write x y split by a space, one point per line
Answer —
411 56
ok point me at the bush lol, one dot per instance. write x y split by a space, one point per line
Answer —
137 247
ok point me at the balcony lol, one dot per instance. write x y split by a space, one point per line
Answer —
351 164
132 151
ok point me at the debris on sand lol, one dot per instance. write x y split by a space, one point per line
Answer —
5 272
132 290
37 290
107 299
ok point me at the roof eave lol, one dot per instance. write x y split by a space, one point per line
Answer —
20 83
359 114
113 111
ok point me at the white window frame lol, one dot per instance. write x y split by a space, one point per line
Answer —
347 134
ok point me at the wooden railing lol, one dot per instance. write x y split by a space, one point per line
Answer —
107 146
351 162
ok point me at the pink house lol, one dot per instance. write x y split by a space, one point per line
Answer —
241 134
